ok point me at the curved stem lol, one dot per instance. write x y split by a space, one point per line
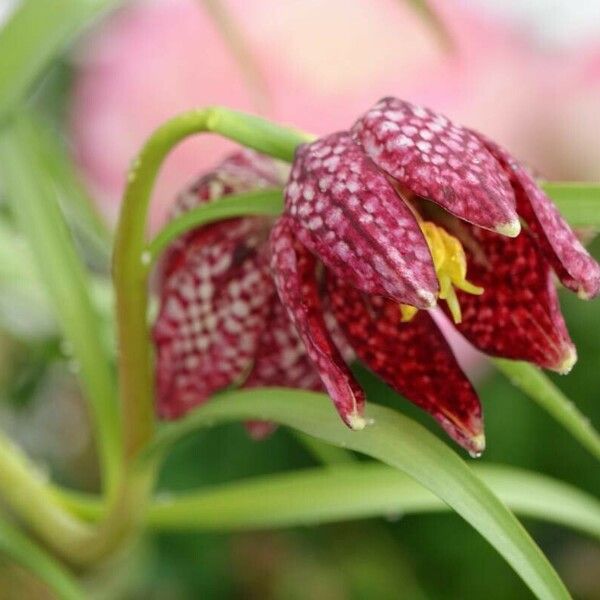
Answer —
24 551
25 491
129 272
533 382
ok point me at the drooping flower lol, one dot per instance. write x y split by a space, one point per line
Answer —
379 224
399 211
220 322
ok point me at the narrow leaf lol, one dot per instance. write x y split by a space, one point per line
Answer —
260 202
31 193
399 442
536 384
33 37
352 491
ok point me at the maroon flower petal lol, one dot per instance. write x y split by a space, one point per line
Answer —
214 306
296 282
345 211
413 358
281 361
434 158
518 315
281 358
577 270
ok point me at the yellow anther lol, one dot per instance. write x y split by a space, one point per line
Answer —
408 312
450 264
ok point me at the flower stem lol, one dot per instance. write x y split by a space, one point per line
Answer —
533 382
26 493
129 271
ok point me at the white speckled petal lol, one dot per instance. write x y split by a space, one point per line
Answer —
345 211
434 158
214 305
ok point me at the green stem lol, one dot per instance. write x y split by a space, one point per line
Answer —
259 202
25 491
533 382
129 271
24 551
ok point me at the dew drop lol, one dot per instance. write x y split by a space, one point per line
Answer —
146 258
393 517
475 453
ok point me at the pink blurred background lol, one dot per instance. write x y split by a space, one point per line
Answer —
317 65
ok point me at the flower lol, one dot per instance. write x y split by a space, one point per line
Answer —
380 223
398 211
220 322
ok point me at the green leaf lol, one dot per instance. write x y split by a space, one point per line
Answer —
33 36
535 383
352 491
31 193
578 202
259 202
21 549
397 441
75 202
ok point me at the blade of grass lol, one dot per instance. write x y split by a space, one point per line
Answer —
536 384
32 197
352 491
75 202
33 36
397 441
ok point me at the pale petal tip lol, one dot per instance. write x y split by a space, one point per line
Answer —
476 445
429 299
582 294
356 422
568 362
510 229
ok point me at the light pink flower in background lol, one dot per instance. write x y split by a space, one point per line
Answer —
321 63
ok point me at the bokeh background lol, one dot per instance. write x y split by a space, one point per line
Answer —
525 72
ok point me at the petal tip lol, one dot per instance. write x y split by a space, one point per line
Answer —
476 445
429 298
510 229
568 362
356 422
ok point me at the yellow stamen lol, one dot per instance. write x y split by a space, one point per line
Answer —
408 312
450 267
